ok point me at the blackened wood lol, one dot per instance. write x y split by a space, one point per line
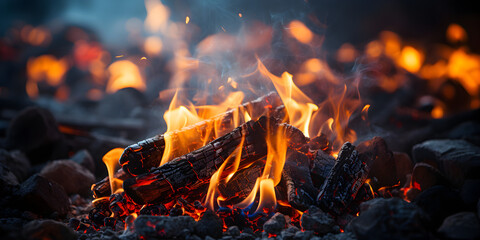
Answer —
102 188
195 169
241 183
141 157
346 177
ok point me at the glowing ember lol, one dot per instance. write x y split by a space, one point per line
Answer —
300 32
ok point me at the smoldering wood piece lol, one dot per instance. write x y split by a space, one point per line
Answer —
195 169
320 167
346 177
141 157
102 188
297 180
242 183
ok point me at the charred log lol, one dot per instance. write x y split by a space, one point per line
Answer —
141 157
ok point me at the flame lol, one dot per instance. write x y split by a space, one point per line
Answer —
124 74
153 46
187 19
35 36
346 53
300 32
213 192
466 69
298 105
272 173
365 112
157 16
240 15
48 68
455 33
391 43
410 59
373 49
111 161
437 112
183 113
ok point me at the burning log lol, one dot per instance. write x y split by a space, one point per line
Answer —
194 170
102 188
141 157
346 177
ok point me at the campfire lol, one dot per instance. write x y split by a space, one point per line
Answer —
255 132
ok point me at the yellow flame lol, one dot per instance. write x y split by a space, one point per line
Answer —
187 19
213 192
111 161
365 111
240 15
157 16
411 59
124 74
300 32
48 68
466 69
455 33
298 105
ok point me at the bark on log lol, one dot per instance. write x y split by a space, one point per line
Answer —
195 169
102 188
346 177
141 157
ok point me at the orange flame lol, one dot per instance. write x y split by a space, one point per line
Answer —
410 59
466 69
111 161
300 32
48 68
124 74
455 33
298 105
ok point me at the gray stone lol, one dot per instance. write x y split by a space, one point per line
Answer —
245 236
84 158
162 227
426 176
72 176
17 162
318 221
470 191
233 231
275 224
463 225
42 196
391 219
48 229
303 235
209 225
7 178
456 159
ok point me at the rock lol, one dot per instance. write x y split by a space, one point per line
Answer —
48 229
382 164
391 218
34 131
289 233
439 202
303 235
121 103
84 158
469 131
7 178
17 162
72 176
463 225
425 176
340 236
403 165
209 225
275 224
245 236
470 192
318 221
11 227
42 196
456 159
233 231
162 227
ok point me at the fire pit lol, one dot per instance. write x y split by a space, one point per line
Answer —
251 129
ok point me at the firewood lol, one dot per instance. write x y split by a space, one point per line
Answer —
102 188
241 183
346 177
141 157
194 170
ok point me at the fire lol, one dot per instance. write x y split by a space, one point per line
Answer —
153 46
124 74
298 105
466 69
187 19
157 16
111 161
300 32
346 53
365 112
48 68
35 36
455 33
410 59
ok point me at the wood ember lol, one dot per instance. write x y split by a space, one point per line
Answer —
195 169
141 157
320 167
102 188
242 183
346 177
